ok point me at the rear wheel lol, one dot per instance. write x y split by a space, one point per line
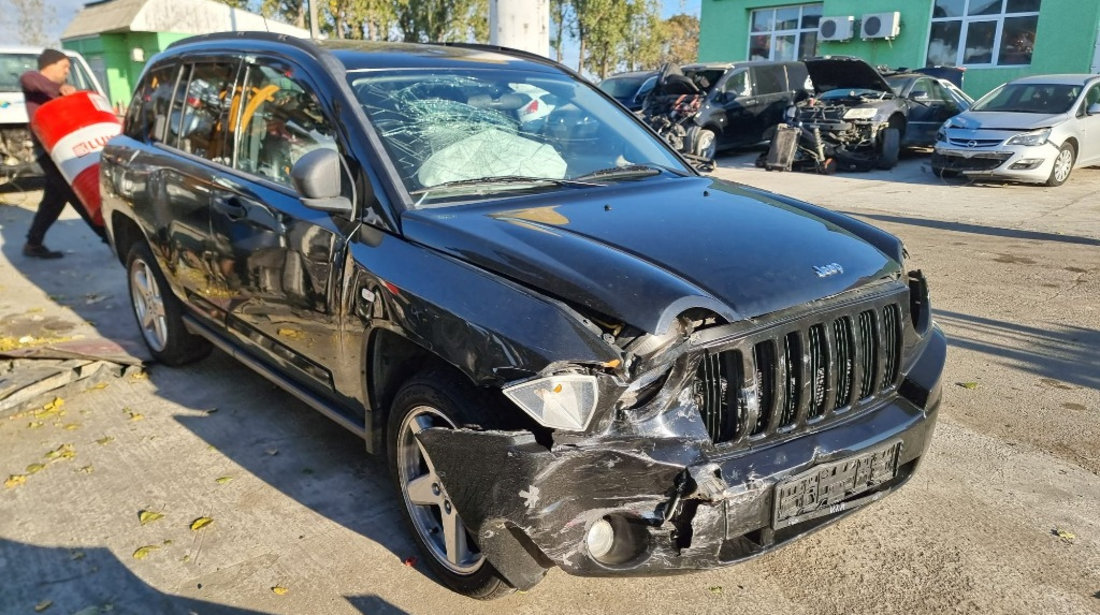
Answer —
437 399
1063 165
159 314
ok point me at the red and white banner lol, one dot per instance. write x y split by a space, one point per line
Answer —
74 129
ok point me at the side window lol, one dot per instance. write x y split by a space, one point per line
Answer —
203 108
769 79
147 116
1091 98
280 122
737 84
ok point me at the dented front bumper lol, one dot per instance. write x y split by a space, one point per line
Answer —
680 503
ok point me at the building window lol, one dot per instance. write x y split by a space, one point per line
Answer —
982 32
784 33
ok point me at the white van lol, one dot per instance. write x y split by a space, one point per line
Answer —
16 153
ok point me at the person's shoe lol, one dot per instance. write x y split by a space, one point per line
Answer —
40 251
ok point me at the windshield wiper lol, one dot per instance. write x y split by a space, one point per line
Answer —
504 180
630 170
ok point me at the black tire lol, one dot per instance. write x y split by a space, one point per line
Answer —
437 399
158 312
889 148
705 144
1063 165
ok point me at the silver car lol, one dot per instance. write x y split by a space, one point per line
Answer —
1033 129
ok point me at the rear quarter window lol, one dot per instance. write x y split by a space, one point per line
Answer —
148 113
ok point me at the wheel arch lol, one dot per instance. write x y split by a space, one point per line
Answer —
125 232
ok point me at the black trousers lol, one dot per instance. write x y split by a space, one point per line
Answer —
56 193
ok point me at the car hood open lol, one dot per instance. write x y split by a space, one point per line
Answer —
843 72
643 252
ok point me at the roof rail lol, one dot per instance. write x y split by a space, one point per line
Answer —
519 53
304 44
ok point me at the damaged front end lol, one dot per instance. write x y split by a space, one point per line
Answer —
844 131
706 445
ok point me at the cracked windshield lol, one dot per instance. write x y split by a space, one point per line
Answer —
453 135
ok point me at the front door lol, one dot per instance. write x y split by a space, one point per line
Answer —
281 261
931 105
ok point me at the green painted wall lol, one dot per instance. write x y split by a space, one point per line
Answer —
1064 42
116 51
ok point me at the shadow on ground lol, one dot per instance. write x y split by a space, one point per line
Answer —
978 229
80 579
318 464
1059 352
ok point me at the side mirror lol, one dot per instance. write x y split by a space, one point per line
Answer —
316 176
1093 109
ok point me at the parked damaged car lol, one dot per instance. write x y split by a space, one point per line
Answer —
1033 129
854 117
572 349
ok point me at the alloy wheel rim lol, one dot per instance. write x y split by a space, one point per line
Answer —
708 149
1061 165
434 516
148 305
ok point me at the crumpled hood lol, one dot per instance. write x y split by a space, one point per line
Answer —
844 72
643 252
1002 120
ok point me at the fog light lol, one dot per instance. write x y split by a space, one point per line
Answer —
1026 164
600 539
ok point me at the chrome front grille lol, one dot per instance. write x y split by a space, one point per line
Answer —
801 373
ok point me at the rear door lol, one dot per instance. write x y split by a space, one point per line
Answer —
193 151
731 109
281 261
771 96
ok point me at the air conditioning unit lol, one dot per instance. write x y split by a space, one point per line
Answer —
836 28
881 25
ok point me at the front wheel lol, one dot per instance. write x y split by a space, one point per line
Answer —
437 399
1063 165
705 144
890 148
159 314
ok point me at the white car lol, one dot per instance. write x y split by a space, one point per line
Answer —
1035 129
16 153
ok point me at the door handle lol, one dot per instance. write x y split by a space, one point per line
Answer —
749 101
231 206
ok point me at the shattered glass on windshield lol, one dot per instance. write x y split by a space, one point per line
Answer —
442 129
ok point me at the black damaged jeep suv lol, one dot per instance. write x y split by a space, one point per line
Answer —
572 349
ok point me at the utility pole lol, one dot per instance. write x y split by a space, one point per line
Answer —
314 28
521 24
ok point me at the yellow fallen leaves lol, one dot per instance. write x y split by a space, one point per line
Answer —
149 516
134 414
200 523
221 480
15 480
293 334
28 341
279 590
87 469
42 606
34 424
105 440
35 467
143 552
65 451
1065 535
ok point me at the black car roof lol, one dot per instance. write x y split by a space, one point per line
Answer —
367 55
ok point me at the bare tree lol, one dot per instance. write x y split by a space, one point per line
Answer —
31 17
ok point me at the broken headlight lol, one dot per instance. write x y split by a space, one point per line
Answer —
564 402
860 113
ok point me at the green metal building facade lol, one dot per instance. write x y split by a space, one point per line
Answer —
118 58
995 40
